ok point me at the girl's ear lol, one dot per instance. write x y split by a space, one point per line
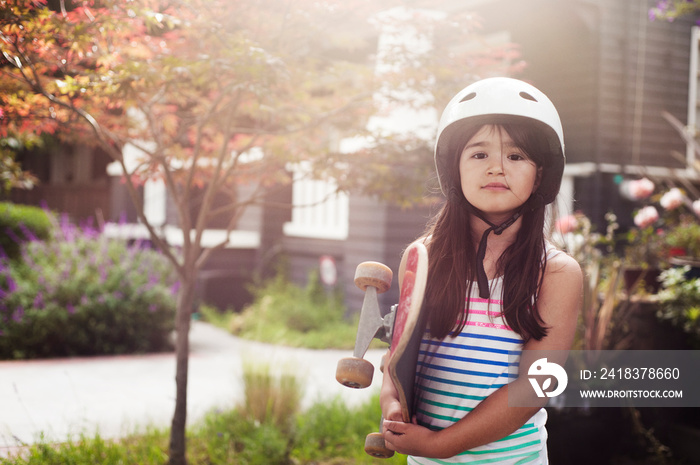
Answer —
538 180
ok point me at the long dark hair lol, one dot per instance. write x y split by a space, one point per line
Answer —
451 251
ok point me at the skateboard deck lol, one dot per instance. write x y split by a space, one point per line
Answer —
409 326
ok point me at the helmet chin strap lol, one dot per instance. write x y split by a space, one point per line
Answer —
497 229
481 278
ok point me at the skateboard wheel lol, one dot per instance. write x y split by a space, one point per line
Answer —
373 274
354 372
374 446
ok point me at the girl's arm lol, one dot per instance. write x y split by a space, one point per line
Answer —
493 419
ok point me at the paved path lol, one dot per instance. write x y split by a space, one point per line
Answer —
117 395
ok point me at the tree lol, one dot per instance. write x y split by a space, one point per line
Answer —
216 94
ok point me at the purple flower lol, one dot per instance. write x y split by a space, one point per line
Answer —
28 233
18 314
175 288
11 285
70 308
152 282
152 308
68 230
39 301
11 234
102 269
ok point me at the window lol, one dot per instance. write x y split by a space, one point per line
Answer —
319 211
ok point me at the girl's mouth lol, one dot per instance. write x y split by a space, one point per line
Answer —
497 186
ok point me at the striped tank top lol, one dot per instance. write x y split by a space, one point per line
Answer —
456 373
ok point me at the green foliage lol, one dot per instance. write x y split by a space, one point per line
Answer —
271 399
21 223
328 433
671 9
332 429
267 429
680 301
84 451
233 438
687 237
11 173
283 313
80 293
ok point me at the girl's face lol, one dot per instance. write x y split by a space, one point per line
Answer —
497 177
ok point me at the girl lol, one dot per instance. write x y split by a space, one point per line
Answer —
499 157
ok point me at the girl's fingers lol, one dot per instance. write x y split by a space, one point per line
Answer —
395 427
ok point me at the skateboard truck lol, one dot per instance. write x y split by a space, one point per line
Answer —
373 278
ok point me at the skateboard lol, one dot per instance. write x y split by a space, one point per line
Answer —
402 328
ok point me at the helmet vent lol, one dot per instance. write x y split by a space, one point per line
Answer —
467 97
527 96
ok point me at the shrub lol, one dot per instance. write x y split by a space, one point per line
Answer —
261 430
284 313
328 433
680 301
269 398
231 437
80 293
686 237
19 224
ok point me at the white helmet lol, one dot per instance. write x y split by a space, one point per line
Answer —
489 101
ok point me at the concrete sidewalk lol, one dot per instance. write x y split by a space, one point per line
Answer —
63 398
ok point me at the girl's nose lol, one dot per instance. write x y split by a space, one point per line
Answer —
495 165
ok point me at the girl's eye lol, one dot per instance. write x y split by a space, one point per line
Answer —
516 157
479 155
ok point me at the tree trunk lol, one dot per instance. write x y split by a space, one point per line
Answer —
185 301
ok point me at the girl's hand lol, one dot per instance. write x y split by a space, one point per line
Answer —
411 439
391 409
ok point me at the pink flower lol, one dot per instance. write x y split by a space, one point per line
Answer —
696 208
646 217
672 199
638 189
566 224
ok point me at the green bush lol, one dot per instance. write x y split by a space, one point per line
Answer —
687 237
680 301
287 314
328 433
231 437
19 224
332 429
271 398
80 293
